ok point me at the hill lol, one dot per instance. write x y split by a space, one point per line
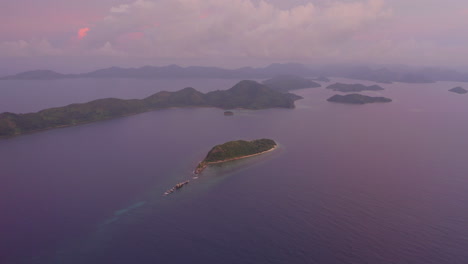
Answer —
284 83
379 74
245 94
37 75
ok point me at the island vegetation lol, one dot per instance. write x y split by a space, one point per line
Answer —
458 90
245 94
350 88
234 150
284 83
357 99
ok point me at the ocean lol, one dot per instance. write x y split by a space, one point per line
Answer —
376 183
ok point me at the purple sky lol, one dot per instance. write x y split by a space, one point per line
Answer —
88 34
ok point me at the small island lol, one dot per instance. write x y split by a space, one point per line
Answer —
228 113
458 90
234 150
349 88
357 99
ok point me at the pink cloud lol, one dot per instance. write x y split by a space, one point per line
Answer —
82 32
129 40
136 35
131 36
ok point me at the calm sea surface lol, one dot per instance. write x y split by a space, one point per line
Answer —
377 183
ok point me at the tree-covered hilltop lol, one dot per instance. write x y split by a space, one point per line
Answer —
347 88
357 99
245 94
233 150
250 95
284 83
238 148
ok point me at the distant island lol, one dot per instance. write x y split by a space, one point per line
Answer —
357 99
387 74
170 72
37 75
284 83
245 94
234 150
228 113
458 90
348 88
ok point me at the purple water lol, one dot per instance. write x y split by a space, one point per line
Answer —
378 183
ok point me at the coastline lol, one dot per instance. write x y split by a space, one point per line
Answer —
127 115
204 165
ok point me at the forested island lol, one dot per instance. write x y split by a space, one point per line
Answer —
245 94
458 90
357 99
284 83
234 150
348 88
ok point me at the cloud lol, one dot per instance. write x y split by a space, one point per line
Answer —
82 32
22 48
412 50
43 48
119 9
329 31
233 28
106 50
379 31
194 29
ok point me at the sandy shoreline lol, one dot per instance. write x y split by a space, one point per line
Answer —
200 169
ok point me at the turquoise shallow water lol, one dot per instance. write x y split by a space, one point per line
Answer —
381 183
